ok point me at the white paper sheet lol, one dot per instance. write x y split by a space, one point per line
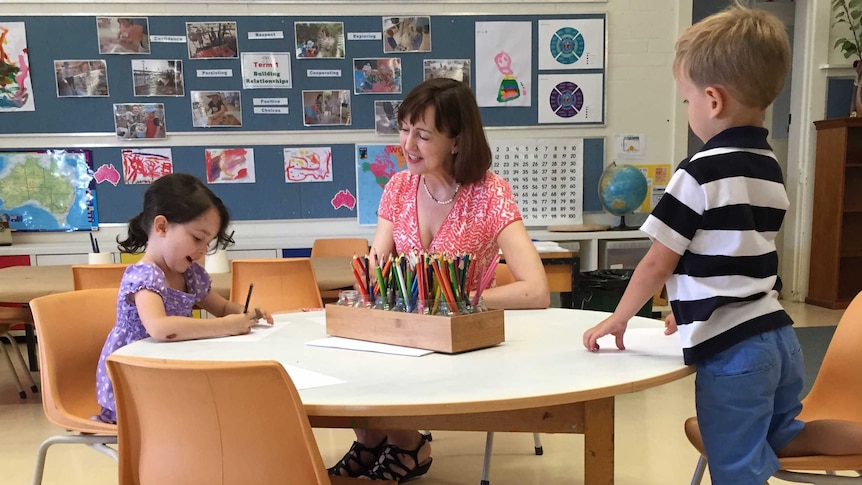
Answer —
306 379
258 332
351 344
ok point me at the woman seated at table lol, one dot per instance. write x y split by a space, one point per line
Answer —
447 201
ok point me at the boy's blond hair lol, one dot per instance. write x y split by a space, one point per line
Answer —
744 50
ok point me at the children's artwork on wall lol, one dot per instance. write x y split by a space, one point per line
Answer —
308 164
457 69
216 108
212 40
326 108
139 121
406 34
385 117
76 78
16 90
504 69
123 35
230 165
571 98
158 77
571 44
107 173
375 76
319 40
146 165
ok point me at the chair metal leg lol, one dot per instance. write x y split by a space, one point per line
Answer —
11 367
97 442
699 470
816 479
537 444
486 462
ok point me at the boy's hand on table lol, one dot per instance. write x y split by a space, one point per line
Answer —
608 326
670 324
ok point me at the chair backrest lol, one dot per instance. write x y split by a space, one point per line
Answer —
347 246
503 275
211 423
72 329
280 284
837 389
87 276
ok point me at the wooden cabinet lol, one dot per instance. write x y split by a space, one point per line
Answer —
835 274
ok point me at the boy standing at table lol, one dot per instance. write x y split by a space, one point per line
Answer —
713 244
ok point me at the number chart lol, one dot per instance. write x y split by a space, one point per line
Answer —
546 177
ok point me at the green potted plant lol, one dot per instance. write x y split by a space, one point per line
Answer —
850 12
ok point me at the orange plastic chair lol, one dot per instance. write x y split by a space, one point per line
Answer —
280 284
207 423
835 394
10 316
503 276
346 246
72 329
87 276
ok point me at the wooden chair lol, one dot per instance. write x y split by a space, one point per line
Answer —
72 329
346 246
503 276
88 276
835 394
9 317
335 247
280 284
190 422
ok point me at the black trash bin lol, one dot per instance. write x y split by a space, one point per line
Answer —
602 290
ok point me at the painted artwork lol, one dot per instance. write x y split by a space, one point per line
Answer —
16 90
504 69
571 98
406 34
571 44
123 35
81 78
319 40
146 165
375 165
376 76
230 165
308 164
212 40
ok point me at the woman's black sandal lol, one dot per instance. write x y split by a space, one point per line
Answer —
390 467
352 463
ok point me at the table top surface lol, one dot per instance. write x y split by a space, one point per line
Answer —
20 284
541 363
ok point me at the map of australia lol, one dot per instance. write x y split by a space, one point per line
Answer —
48 190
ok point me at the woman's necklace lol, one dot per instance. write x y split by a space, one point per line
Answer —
441 202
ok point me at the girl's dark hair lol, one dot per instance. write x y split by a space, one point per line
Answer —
457 115
179 197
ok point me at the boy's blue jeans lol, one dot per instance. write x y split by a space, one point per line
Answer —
747 401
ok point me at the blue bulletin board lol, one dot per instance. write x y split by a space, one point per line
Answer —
269 197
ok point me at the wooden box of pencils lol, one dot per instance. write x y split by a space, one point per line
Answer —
447 334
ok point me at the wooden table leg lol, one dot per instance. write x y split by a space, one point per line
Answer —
599 442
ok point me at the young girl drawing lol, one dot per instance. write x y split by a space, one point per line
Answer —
182 219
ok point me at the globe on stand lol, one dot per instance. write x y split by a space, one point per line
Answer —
622 190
